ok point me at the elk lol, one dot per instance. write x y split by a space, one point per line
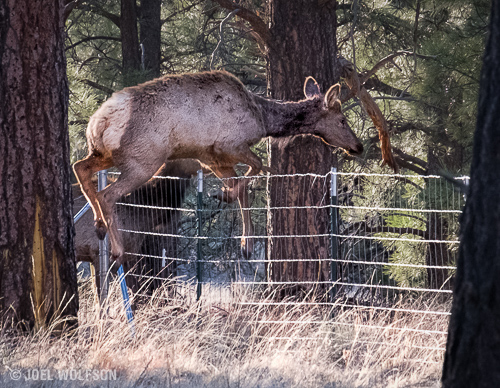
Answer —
150 194
150 220
207 116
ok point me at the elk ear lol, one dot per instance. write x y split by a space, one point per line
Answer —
311 88
332 98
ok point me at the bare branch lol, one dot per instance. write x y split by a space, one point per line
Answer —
89 38
408 126
411 158
103 88
376 84
220 44
410 166
388 59
115 19
352 80
69 6
180 11
255 21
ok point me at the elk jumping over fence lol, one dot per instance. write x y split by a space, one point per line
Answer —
206 116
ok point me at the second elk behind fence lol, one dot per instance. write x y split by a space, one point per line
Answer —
386 237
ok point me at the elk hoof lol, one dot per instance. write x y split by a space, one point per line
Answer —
100 229
118 258
119 261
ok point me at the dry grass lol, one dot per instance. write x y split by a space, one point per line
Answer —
212 346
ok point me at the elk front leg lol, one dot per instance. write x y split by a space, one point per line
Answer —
84 169
246 243
255 167
240 191
232 192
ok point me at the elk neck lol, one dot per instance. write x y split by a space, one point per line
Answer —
289 118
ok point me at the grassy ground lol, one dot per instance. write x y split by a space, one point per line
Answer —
235 345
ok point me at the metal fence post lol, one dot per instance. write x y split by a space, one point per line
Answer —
199 254
334 232
102 182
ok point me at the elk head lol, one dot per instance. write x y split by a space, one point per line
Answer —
332 125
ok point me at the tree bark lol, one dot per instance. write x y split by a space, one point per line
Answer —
303 43
131 57
150 30
437 253
473 348
37 261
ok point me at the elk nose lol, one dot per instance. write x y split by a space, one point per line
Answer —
358 149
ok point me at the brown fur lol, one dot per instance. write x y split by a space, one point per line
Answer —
86 245
206 116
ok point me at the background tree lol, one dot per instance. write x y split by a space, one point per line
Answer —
37 263
308 31
471 357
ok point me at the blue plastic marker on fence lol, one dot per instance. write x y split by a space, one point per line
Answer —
126 300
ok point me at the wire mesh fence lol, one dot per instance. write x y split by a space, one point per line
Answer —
378 245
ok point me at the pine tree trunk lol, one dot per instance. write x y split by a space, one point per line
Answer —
303 44
131 57
37 262
150 30
473 347
437 254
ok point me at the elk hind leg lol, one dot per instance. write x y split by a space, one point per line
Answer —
131 177
84 169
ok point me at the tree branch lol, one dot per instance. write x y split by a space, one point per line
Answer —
220 44
185 9
115 19
69 6
411 158
408 126
89 38
255 21
357 89
410 166
376 84
103 88
389 58
362 226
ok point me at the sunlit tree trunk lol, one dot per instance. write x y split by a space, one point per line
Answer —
37 262
303 44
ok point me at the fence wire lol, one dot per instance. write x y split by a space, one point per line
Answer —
391 247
